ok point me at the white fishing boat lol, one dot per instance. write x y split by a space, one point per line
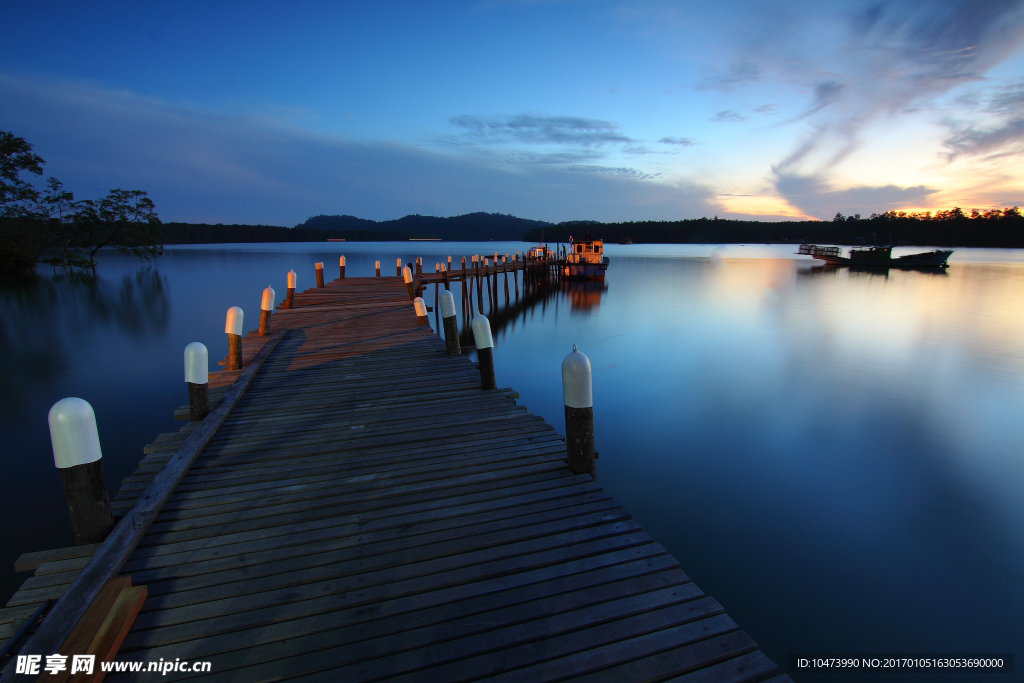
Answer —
585 260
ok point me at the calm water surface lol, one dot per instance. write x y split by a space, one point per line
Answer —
834 455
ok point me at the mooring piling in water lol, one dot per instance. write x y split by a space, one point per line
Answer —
484 351
398 267
77 455
446 303
578 397
233 328
289 293
319 267
376 267
341 267
266 309
197 376
406 274
421 311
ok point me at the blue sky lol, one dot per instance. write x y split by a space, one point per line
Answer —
270 113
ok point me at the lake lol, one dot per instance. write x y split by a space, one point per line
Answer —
835 455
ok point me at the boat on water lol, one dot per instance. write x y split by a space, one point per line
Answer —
585 260
880 257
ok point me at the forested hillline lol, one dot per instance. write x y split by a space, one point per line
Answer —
470 227
204 233
998 228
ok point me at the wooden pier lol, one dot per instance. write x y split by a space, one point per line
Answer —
364 512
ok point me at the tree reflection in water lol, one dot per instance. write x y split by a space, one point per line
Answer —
45 317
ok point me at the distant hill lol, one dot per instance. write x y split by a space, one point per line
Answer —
470 227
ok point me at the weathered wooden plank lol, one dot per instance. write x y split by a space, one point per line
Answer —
650 659
463 610
749 667
396 582
374 548
523 634
30 561
294 539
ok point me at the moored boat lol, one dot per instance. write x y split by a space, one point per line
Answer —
877 257
585 260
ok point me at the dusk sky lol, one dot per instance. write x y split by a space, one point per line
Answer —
271 113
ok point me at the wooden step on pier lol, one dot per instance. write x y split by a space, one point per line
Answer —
366 512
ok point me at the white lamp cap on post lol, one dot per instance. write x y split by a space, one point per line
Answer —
446 302
233 324
291 279
577 384
341 261
482 332
421 308
73 433
407 275
268 299
197 364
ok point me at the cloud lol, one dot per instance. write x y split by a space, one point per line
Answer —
1005 139
535 129
888 59
735 75
1002 137
202 166
728 115
618 172
681 142
813 195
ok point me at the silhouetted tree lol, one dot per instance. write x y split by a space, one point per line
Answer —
32 221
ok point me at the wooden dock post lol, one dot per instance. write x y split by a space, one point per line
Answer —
407 276
197 376
487 277
465 295
398 267
578 397
437 285
319 267
266 309
233 328
76 453
376 266
341 267
289 293
479 286
504 269
450 323
421 311
484 351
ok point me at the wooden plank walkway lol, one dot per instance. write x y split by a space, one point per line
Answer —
367 513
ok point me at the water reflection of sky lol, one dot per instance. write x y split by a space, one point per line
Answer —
833 454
